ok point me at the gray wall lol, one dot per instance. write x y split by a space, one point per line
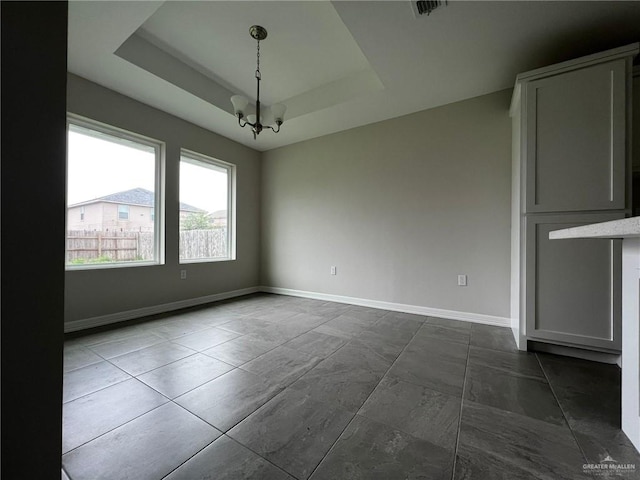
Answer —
635 122
401 208
34 52
92 293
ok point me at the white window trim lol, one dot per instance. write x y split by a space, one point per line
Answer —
159 226
199 158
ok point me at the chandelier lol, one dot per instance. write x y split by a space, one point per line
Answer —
240 102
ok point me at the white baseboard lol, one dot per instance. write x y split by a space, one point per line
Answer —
396 307
83 324
99 321
575 352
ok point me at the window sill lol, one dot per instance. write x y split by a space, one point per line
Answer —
205 260
104 266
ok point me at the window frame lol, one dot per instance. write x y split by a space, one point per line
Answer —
159 192
123 209
199 159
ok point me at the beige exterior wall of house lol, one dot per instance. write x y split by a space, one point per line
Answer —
139 218
104 216
91 220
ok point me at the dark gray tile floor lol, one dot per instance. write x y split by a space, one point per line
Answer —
276 387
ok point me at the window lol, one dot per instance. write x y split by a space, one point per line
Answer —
112 176
206 209
123 212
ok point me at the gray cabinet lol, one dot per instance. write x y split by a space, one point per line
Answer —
576 140
571 167
573 286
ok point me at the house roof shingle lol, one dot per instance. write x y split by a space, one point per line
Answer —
136 196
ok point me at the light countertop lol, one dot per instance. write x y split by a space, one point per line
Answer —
624 228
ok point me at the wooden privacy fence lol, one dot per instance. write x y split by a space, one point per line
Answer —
98 247
210 243
95 247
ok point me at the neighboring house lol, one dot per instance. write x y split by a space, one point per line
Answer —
131 210
219 218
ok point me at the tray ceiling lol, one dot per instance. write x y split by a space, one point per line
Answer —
336 65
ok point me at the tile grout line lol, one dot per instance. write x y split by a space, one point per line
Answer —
279 392
116 427
144 327
152 370
260 456
148 324
189 458
564 415
135 377
226 432
165 341
276 394
283 344
155 368
256 453
102 388
243 335
170 341
341 435
365 401
195 352
464 386
170 400
67 476
234 368
223 433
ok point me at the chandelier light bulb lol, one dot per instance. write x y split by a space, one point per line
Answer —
277 110
239 105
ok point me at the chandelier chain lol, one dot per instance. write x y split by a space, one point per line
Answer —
258 75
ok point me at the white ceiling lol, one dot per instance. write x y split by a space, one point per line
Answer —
336 65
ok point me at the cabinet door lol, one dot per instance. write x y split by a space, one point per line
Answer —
573 287
575 143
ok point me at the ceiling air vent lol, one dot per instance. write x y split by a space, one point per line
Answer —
425 7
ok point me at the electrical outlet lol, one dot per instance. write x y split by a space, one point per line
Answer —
333 270
462 280
183 274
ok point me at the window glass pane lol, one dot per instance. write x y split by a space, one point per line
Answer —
123 212
111 184
205 218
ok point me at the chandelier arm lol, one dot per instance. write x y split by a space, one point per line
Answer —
274 130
